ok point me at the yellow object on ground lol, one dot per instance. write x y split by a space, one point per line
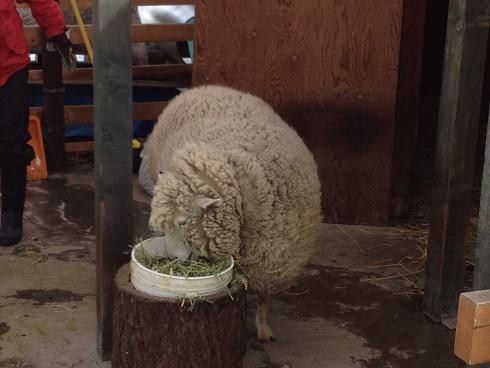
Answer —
136 144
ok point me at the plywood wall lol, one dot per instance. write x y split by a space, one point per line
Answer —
330 68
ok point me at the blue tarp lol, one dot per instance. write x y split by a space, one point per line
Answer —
82 95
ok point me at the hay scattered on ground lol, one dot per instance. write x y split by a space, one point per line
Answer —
410 269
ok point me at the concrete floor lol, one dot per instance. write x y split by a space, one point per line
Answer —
339 315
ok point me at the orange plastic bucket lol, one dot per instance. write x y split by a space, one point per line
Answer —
37 169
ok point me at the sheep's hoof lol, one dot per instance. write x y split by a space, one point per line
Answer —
264 333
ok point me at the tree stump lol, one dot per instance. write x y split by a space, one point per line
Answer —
154 332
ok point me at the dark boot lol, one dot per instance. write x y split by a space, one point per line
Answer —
13 187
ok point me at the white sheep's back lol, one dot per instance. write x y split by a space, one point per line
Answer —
227 119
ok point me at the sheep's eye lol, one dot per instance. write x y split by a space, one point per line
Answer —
180 219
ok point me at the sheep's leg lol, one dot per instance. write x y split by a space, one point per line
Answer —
264 332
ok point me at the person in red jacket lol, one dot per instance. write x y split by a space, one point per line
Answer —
15 153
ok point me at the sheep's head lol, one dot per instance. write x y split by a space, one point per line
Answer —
198 205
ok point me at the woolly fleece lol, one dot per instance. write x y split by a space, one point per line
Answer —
233 178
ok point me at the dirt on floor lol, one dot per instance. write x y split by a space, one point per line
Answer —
355 306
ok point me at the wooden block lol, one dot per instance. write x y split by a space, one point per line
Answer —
472 343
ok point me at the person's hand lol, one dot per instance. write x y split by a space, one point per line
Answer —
62 44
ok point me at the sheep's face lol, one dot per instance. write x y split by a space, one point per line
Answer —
197 204
187 219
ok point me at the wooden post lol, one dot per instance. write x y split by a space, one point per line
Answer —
162 333
113 156
459 113
481 277
53 113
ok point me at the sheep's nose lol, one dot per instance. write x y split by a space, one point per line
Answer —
183 253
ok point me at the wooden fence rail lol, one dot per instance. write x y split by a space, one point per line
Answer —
84 114
160 72
162 75
84 4
141 33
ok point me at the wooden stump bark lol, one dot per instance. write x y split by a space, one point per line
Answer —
152 332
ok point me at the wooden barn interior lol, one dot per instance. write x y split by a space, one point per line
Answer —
392 98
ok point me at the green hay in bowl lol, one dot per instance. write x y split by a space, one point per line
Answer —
176 267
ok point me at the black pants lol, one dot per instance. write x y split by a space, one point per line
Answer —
14 120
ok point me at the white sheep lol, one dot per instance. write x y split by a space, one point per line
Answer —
234 179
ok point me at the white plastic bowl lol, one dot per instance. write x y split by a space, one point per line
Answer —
162 285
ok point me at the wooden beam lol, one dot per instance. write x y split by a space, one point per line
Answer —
84 113
79 114
141 33
141 72
161 72
87 146
84 4
173 82
79 146
113 154
53 120
407 105
36 75
481 277
466 43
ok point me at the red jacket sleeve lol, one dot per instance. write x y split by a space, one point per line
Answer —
48 14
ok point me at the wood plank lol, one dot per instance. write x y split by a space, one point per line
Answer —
140 72
407 106
84 113
433 55
79 146
86 146
113 154
455 154
172 83
473 328
84 4
36 75
140 33
481 276
323 78
161 71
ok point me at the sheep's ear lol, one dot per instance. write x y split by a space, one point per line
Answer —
205 202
